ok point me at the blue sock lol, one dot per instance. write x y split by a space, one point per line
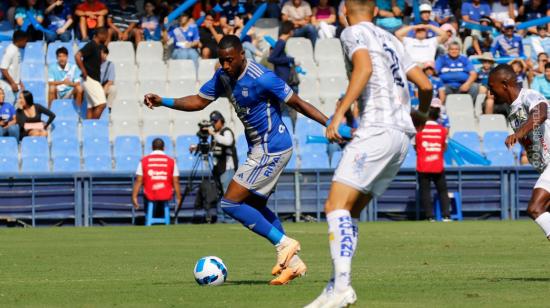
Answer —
272 218
252 219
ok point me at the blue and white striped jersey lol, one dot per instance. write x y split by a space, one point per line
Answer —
257 93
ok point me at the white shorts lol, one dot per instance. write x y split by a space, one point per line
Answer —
372 159
544 180
95 96
260 172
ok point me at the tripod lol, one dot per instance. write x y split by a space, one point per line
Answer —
203 162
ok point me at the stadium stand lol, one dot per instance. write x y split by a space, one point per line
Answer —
66 164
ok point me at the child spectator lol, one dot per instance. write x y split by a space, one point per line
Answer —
64 79
60 20
122 22
186 39
508 44
437 85
520 68
25 14
323 18
150 23
487 64
29 117
92 14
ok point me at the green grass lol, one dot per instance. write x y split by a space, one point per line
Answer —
398 264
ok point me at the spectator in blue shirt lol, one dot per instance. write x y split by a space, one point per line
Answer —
231 9
508 44
457 72
472 12
150 24
442 11
8 125
24 14
535 9
437 85
185 39
64 79
540 42
390 14
60 20
542 83
425 14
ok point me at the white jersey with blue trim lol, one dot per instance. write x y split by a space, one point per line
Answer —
256 96
385 101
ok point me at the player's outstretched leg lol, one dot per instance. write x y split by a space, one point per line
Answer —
296 267
537 209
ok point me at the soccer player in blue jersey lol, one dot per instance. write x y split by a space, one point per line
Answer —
255 93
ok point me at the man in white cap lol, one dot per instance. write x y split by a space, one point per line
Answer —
425 10
508 44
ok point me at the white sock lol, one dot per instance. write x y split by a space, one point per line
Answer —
544 222
355 223
341 247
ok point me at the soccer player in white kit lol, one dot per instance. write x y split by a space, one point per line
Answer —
373 157
529 119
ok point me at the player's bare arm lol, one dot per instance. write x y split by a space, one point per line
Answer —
360 75
537 117
186 103
307 109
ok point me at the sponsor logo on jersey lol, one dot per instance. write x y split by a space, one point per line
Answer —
245 92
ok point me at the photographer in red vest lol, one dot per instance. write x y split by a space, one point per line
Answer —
430 145
159 175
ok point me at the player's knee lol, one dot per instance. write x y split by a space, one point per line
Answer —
535 209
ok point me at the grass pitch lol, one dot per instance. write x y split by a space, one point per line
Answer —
398 264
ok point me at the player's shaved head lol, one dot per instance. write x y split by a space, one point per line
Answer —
503 83
357 11
503 73
231 56
230 41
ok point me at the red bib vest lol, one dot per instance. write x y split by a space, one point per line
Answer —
430 143
158 172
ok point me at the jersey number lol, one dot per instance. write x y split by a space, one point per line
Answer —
394 66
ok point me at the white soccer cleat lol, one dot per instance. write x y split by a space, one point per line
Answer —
340 299
323 298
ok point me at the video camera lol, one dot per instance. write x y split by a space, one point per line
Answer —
204 145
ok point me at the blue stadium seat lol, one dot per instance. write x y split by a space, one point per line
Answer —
501 158
312 148
185 162
291 163
32 72
98 163
468 139
35 164
494 141
63 129
38 90
336 157
410 159
168 146
127 146
9 164
105 116
35 147
52 48
96 147
127 163
64 109
66 164
183 143
9 147
242 145
318 160
92 129
65 147
288 124
305 127
34 52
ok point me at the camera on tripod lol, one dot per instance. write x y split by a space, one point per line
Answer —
204 146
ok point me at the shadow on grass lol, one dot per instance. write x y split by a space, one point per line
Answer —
246 282
524 279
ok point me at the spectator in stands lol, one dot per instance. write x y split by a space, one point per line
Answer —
342 20
186 40
503 10
200 8
540 42
159 176
107 76
27 17
542 83
250 49
29 116
273 9
390 14
8 124
150 23
482 41
487 64
535 9
425 19
421 48
10 66
64 79
10 13
323 18
92 14
430 144
472 11
508 44
538 68
122 22
210 34
299 13
452 36
231 9
520 68
60 20
442 11
437 85
88 60
457 72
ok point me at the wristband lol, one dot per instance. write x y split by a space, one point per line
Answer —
167 102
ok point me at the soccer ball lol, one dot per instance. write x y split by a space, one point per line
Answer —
210 271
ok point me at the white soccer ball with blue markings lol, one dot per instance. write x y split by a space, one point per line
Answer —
210 271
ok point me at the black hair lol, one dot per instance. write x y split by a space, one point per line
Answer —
19 35
158 144
546 66
104 49
29 99
149 1
286 27
504 70
541 54
433 113
230 41
61 50
218 115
